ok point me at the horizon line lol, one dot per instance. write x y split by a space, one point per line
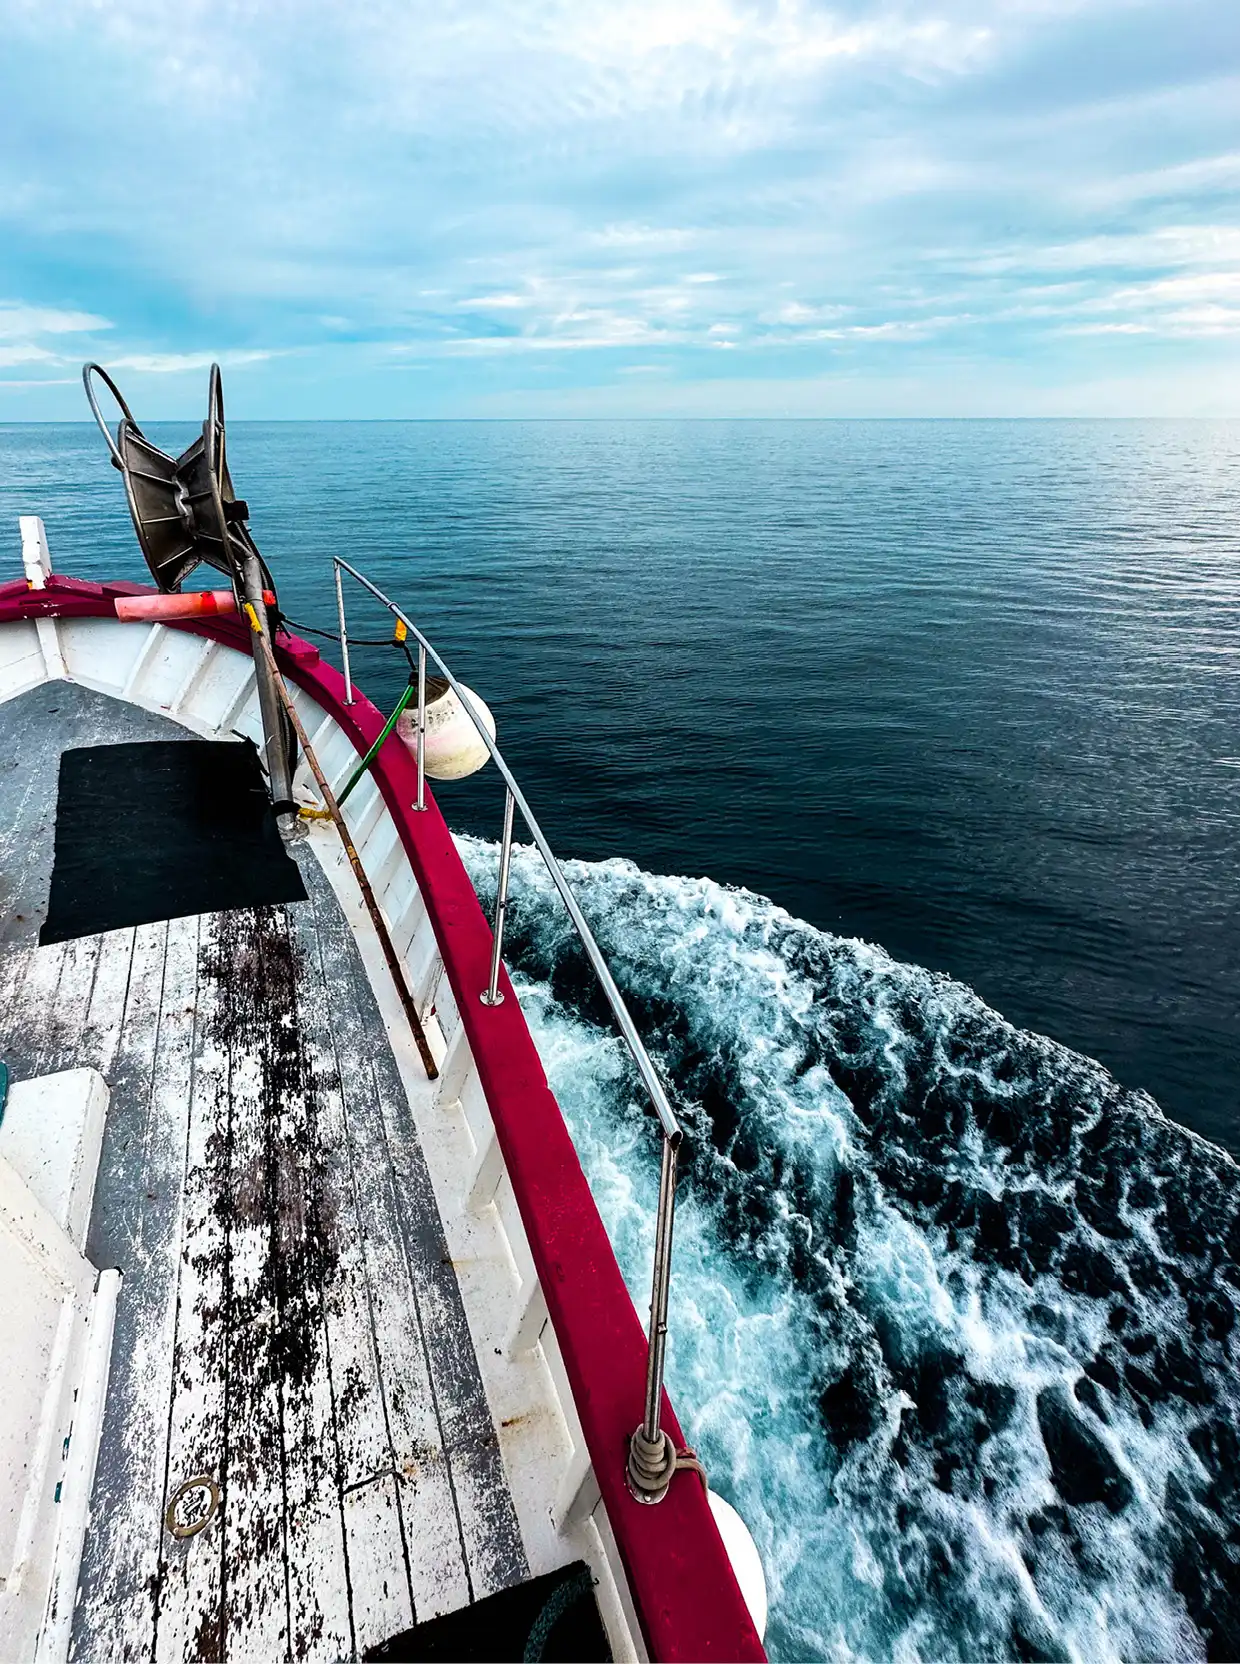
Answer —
307 421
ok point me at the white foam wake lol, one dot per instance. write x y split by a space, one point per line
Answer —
945 1328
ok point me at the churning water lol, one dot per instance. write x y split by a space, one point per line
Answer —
954 1310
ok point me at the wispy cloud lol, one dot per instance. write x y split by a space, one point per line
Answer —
176 363
33 335
18 322
25 355
1177 183
495 303
570 196
36 335
1161 246
653 238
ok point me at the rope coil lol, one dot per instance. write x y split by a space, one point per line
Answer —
567 1594
653 1465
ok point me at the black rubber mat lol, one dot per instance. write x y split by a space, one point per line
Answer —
554 1618
162 829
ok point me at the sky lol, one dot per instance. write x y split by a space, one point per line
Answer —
551 208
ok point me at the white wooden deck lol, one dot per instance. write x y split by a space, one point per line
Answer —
289 1324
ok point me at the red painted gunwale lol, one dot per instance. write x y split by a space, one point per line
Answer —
679 1574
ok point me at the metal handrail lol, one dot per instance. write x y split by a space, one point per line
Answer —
652 1458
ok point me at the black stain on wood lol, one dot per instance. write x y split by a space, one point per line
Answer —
274 1258
295 1103
277 1187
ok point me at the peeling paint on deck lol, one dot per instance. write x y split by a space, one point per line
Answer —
289 1324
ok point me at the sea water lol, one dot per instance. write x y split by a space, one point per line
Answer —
953 1313
921 723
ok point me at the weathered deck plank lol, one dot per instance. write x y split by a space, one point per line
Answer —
141 1157
15 961
439 1406
415 1451
187 1619
289 1325
320 1614
252 1002
40 1039
105 1015
361 1446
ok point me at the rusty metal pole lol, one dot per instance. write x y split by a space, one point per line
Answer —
346 837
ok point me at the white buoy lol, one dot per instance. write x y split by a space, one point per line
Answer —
746 1561
454 747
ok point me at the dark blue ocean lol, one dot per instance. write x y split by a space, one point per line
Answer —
898 765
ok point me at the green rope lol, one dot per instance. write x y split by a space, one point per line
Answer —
374 750
558 1602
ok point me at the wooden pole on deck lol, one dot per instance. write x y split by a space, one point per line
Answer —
355 860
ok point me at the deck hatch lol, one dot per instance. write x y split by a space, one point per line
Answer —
159 830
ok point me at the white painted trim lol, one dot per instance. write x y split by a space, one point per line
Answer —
578 1495
47 1281
37 561
36 556
457 1062
146 653
49 645
245 693
482 1179
529 1320
79 1478
206 659
52 1134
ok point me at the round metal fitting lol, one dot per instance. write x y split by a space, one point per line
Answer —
192 1506
650 1467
